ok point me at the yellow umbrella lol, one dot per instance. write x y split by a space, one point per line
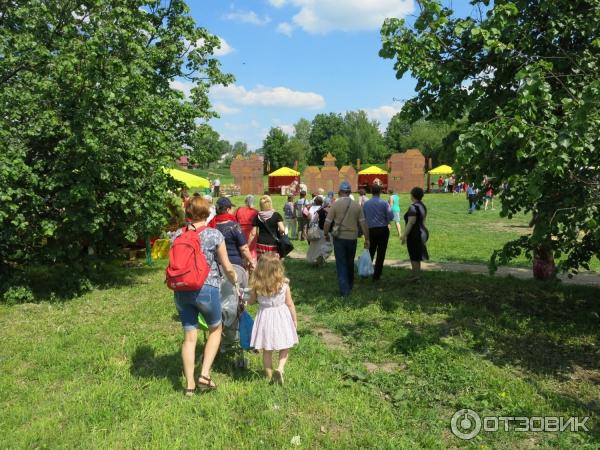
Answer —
442 170
284 172
191 181
373 170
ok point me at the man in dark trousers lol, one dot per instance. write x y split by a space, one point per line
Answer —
378 215
343 221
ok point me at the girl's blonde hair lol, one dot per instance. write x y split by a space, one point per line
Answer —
269 276
266 204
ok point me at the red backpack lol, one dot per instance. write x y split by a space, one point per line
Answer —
187 269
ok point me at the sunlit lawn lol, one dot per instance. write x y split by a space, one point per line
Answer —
103 370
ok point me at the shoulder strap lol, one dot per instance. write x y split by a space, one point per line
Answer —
346 213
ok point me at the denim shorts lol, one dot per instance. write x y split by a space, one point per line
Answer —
397 217
206 301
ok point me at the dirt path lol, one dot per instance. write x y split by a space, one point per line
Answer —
583 279
334 341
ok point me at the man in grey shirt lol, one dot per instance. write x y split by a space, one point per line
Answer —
348 216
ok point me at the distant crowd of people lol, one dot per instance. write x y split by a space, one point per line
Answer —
240 248
450 185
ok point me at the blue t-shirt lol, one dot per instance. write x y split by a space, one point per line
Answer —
288 210
234 239
377 213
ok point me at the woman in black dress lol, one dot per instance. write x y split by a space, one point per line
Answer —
268 225
416 234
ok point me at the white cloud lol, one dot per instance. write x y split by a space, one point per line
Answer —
249 132
268 96
322 16
277 3
247 17
224 48
225 110
384 114
290 130
285 28
183 86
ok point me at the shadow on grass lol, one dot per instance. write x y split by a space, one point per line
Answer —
146 364
549 329
61 283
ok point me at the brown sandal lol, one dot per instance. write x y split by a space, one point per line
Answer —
189 392
205 387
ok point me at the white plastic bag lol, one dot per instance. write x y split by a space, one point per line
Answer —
326 249
365 265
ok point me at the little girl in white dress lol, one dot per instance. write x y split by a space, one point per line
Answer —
275 324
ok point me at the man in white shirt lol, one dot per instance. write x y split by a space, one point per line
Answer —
216 188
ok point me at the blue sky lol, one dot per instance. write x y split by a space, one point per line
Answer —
298 58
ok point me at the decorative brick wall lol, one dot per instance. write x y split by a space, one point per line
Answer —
248 174
407 170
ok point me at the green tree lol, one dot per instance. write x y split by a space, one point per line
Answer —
206 147
338 146
427 136
324 126
398 128
525 76
240 148
89 118
302 130
294 150
274 148
364 138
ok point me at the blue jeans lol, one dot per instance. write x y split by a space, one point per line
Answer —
345 251
206 301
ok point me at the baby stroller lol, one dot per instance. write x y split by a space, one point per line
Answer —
232 307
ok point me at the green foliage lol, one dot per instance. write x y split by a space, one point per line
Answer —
428 137
398 128
338 146
240 148
364 138
525 75
89 118
17 294
302 130
206 146
295 150
275 151
324 126
431 137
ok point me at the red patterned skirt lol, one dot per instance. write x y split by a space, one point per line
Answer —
261 249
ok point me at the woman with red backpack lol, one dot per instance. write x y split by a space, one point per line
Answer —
205 300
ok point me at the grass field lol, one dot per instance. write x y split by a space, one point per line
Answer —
103 370
455 235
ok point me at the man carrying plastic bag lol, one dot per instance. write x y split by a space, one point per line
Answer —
365 265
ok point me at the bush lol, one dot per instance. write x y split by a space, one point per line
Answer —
18 294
